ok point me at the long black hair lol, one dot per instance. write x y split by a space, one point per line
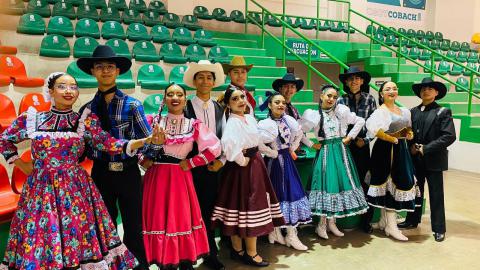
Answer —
321 132
226 98
380 91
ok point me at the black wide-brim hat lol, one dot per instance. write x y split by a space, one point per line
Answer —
287 78
439 86
353 70
104 53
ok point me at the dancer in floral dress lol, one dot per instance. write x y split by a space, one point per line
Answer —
61 221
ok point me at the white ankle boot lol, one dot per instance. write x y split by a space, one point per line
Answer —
276 236
333 228
391 229
321 228
292 239
382 223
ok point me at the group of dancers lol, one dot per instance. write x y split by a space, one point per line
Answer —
209 164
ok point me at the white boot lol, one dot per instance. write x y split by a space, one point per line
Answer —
292 239
333 228
391 229
321 228
382 223
276 236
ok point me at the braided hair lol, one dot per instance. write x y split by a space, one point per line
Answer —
321 132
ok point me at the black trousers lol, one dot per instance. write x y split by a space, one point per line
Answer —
361 156
435 191
206 187
124 188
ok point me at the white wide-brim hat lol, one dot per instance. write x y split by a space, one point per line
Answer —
204 65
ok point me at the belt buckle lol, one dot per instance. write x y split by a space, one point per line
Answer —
115 166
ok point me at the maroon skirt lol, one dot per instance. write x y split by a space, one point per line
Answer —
246 204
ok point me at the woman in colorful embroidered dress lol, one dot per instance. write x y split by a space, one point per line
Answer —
174 232
61 221
392 183
283 134
335 190
246 205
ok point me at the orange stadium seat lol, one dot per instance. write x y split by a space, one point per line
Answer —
8 112
8 199
7 49
13 67
35 100
18 177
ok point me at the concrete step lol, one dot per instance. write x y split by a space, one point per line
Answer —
381 69
304 95
359 55
358 46
375 60
261 60
245 51
267 71
236 42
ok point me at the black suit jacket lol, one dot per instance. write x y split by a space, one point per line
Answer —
437 134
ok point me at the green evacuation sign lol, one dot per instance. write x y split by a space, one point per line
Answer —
300 47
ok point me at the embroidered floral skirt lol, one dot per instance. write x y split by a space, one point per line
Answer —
62 223
335 190
392 179
246 205
288 187
173 228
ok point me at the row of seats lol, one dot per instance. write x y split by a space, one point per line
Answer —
444 67
12 70
112 29
411 33
461 56
84 7
445 45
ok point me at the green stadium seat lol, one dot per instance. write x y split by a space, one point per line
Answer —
64 9
131 16
452 55
171 20
256 17
120 47
110 14
443 67
182 36
87 28
152 103
157 6
113 29
151 77
371 30
425 55
15 7
84 47
391 40
220 14
445 45
202 13
429 35
462 56
434 44
138 5
160 34
414 53
84 80
55 46
191 22
171 53
326 26
402 31
472 66
424 42
272 21
439 36
97 3
404 50
219 54
337 27
455 46
307 25
420 34
137 31
145 51
39 7
118 4
438 55
237 16
456 70
125 80
195 53
465 47
291 22
476 85
75 3
346 29
462 82
87 11
151 18
411 33
176 76
473 57
428 66
204 38
60 25
32 24
378 38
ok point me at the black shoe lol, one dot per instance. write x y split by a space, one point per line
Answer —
439 237
247 259
407 225
213 263
236 255
367 229
186 266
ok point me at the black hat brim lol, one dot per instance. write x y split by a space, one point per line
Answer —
439 86
362 74
279 82
86 63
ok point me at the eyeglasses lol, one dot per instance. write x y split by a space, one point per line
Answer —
64 87
107 67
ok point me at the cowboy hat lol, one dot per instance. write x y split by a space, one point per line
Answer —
287 78
439 86
353 70
104 53
237 62
203 65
